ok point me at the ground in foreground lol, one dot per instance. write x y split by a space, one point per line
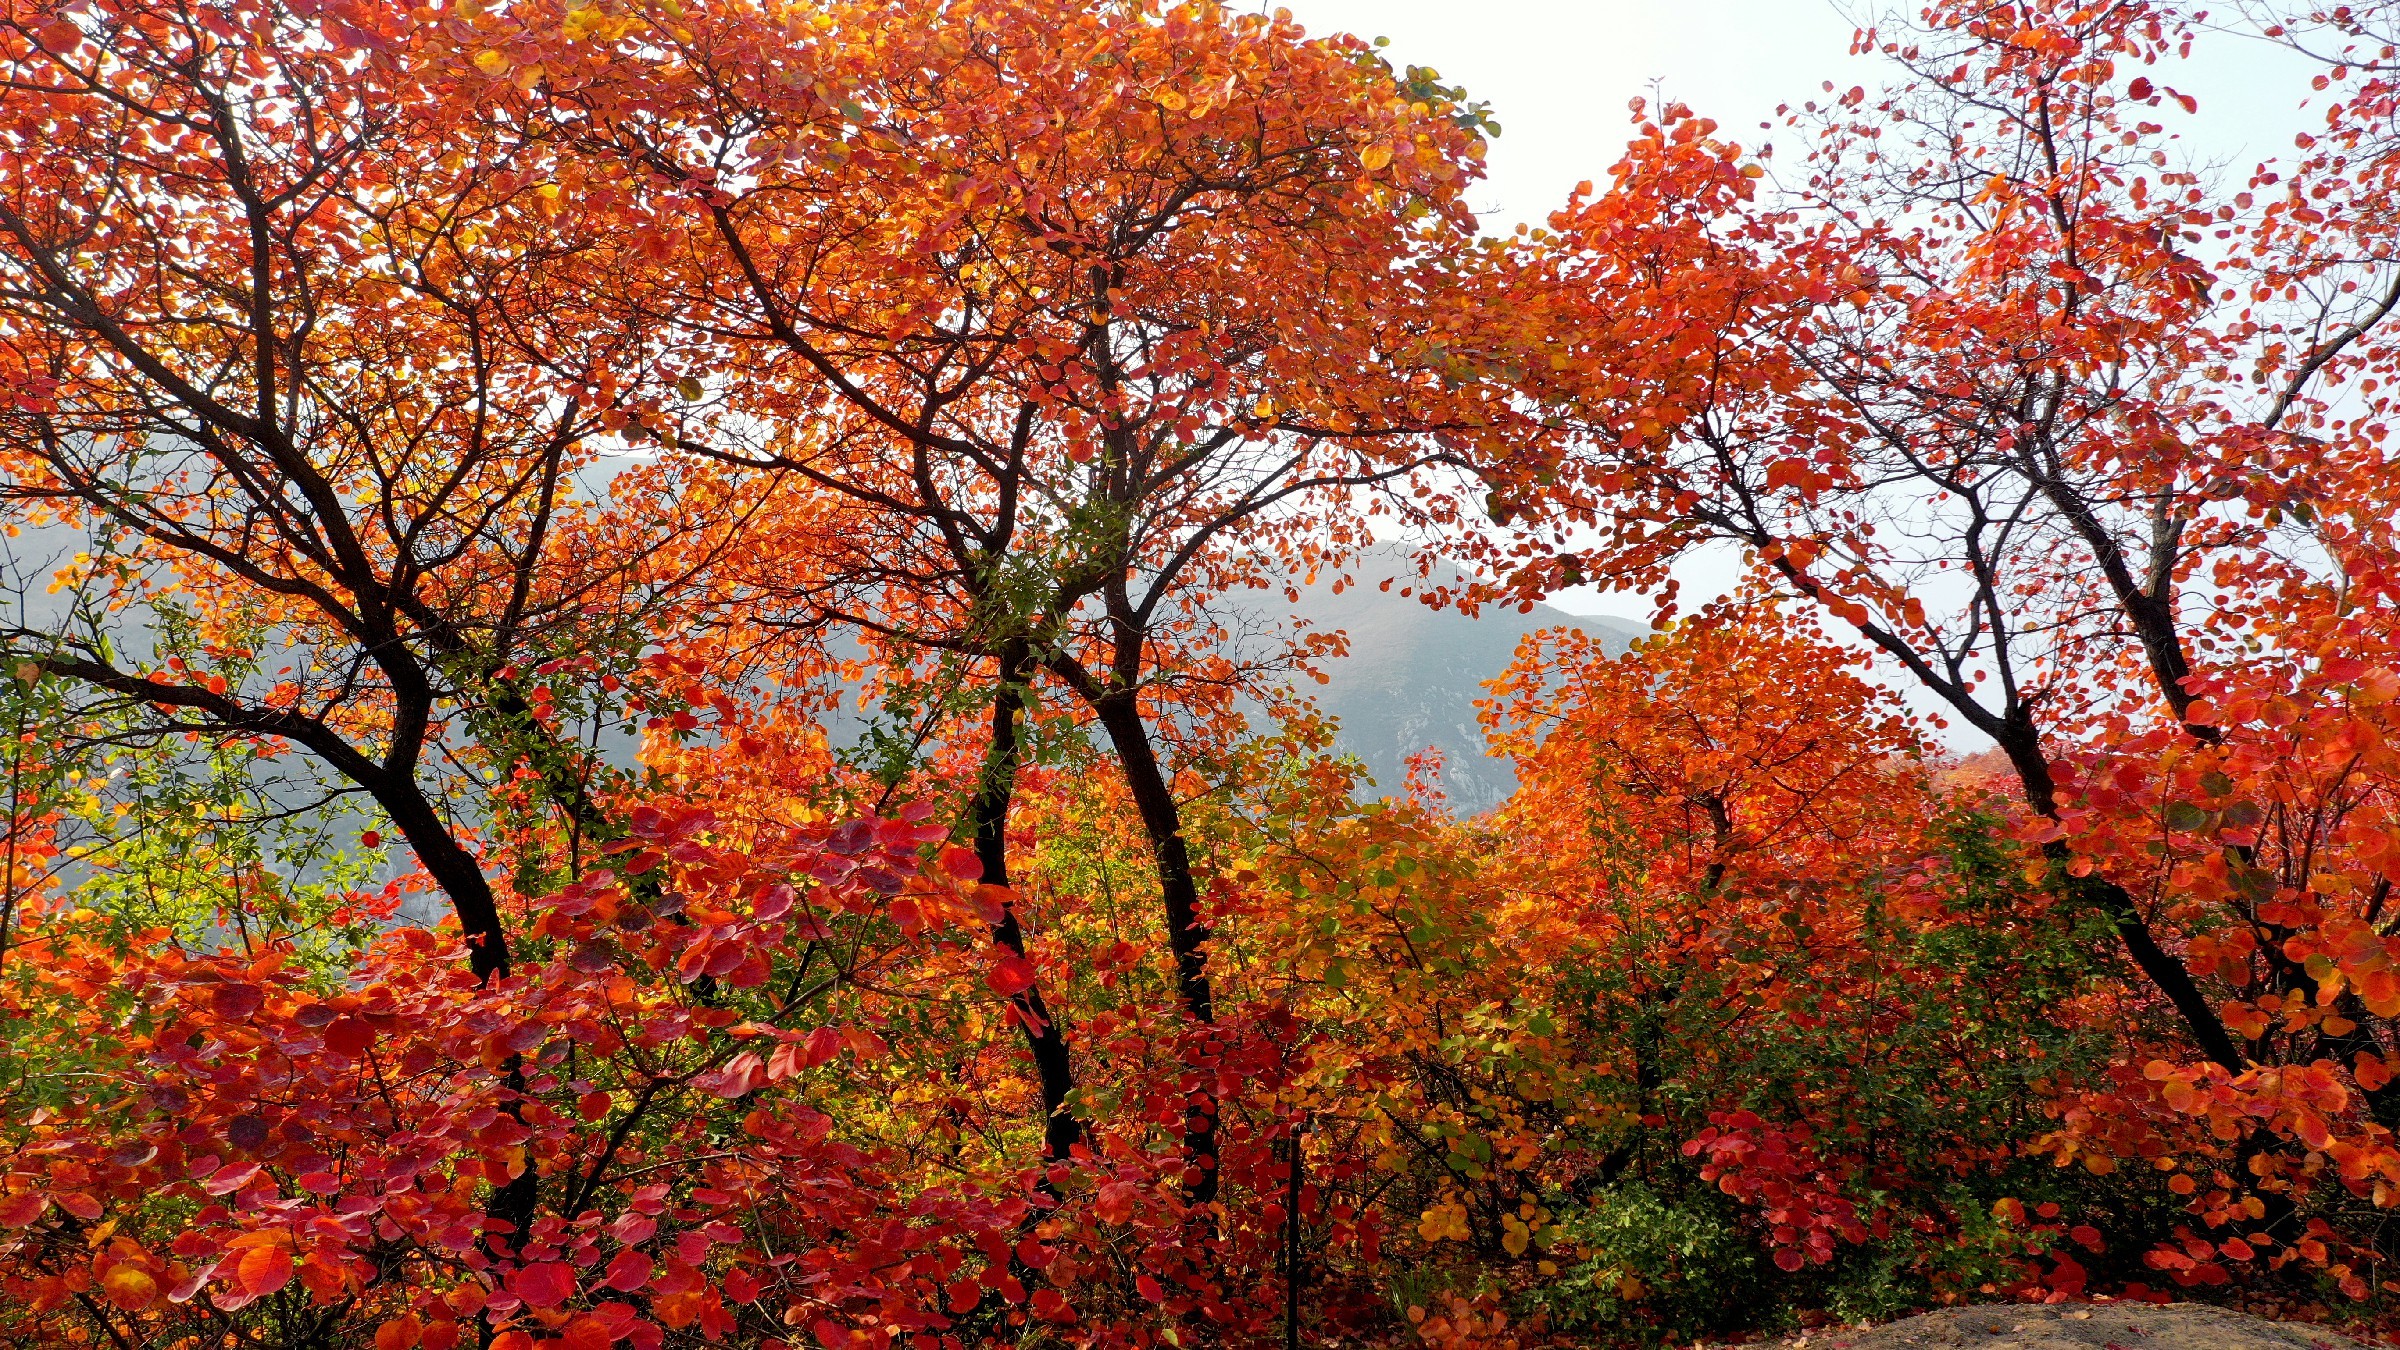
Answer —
2101 1326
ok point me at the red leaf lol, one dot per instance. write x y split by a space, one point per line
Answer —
263 1270
823 1044
349 1037
230 1179
628 1272
545 1285
741 1076
1785 473
774 903
19 1210
960 864
237 1002
1010 976
1114 1203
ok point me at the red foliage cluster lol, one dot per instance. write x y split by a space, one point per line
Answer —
1775 1169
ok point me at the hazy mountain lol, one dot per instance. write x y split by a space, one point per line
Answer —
1414 673
1410 681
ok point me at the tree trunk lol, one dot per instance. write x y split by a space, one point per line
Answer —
1155 799
2021 742
455 869
514 1200
995 790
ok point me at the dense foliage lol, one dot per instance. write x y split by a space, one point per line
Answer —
624 721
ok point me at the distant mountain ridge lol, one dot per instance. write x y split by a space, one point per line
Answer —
1410 681
1414 673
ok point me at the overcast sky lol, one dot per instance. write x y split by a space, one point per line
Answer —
1559 72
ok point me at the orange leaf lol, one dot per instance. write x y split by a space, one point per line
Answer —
324 1278
263 1270
130 1287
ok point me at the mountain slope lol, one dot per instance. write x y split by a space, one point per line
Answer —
1414 673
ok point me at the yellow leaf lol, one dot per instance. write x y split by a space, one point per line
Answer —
130 1287
493 63
1376 157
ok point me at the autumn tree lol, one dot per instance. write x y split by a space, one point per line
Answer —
1783 939
1983 414
300 359
2089 447
1737 1005
1085 315
1674 801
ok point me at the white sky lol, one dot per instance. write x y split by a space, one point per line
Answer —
1559 73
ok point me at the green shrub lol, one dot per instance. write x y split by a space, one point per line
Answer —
1654 1268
